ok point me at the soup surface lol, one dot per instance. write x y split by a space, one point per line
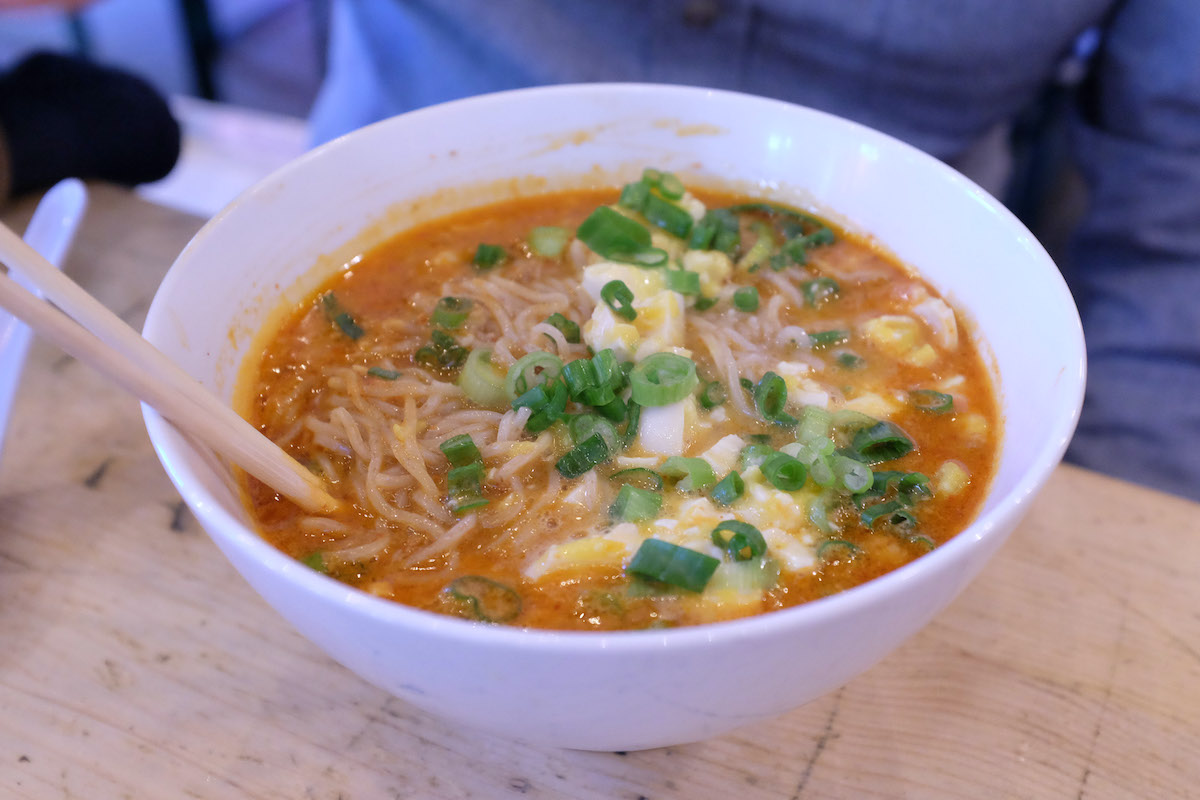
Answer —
600 410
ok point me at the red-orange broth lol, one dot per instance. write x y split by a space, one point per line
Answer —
339 386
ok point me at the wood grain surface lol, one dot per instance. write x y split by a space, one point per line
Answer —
135 663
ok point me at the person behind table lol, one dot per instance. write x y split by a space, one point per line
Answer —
63 116
944 75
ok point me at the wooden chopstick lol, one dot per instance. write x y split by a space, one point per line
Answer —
87 330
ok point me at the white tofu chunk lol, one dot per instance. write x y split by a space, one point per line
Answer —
661 429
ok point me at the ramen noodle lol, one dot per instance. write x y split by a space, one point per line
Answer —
600 410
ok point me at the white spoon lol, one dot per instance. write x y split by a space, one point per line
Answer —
50 232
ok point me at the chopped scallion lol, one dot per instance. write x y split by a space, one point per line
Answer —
696 473
548 241
340 316
460 450
383 374
671 187
316 561
489 255
784 472
616 237
746 299
465 487
823 339
883 441
662 379
836 550
666 215
486 599
452 312
640 477
482 382
569 329
728 489
683 281
712 395
669 563
931 401
741 540
619 298
444 355
634 504
770 397
583 426
583 457
534 369
818 291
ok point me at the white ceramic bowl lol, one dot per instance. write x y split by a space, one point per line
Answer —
619 691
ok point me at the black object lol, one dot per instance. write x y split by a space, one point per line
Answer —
67 117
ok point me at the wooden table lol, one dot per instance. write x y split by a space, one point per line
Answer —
134 662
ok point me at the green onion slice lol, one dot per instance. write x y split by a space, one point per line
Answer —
482 382
746 299
712 395
837 550
754 454
922 539
683 281
822 339
872 514
619 298
616 237
316 561
547 403
583 426
640 477
633 195
784 472
759 252
818 513
883 441
535 369
465 485
668 216
815 423
488 600
452 312
848 360
662 379
634 504
770 398
489 255
672 564
728 489
548 241
854 476
741 540
569 329
460 450
340 316
819 291
704 303
583 457
383 374
671 187
696 473
444 355
930 401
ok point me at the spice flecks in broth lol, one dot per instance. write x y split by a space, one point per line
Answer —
613 410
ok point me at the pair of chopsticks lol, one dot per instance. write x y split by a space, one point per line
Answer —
87 330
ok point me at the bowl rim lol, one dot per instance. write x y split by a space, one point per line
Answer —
219 523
